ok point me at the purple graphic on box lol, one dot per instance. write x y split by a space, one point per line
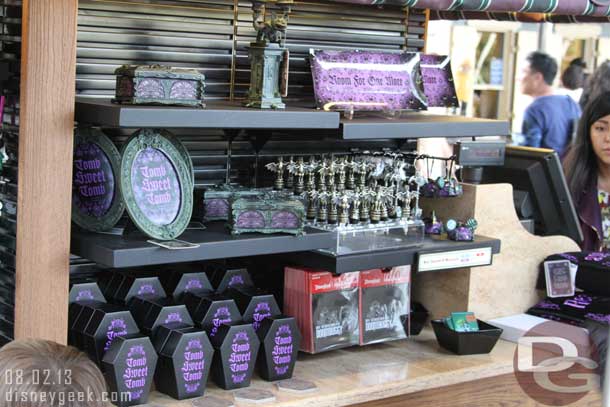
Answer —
261 311
240 358
93 180
84 295
194 365
150 89
236 280
117 328
438 81
173 317
136 371
250 220
183 90
282 349
193 284
216 208
367 80
146 289
284 220
155 186
221 316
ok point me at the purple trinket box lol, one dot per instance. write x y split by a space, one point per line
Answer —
159 85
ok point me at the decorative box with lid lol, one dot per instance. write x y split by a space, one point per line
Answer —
159 84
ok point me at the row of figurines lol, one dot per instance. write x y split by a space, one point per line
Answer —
363 205
355 172
344 172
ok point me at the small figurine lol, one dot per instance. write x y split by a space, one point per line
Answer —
278 167
333 212
310 170
330 173
351 175
341 173
343 202
355 210
290 178
322 172
379 209
323 197
298 169
405 198
362 168
419 181
365 205
312 197
433 226
463 232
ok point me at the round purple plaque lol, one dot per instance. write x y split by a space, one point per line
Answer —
96 197
93 180
155 185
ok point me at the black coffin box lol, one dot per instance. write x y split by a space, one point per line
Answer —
151 313
254 305
211 311
235 351
185 358
129 366
177 283
89 291
232 278
99 325
121 287
280 340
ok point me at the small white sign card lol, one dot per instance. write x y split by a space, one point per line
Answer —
559 281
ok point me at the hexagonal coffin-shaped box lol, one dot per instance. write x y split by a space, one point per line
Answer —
236 348
151 313
255 305
120 287
99 325
86 291
211 311
280 340
185 358
129 366
178 283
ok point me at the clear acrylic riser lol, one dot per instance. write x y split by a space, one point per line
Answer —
371 237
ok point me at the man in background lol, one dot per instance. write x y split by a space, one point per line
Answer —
550 120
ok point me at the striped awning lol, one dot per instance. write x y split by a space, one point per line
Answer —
597 8
521 17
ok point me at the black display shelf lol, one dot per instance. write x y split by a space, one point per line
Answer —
414 125
216 242
387 258
216 114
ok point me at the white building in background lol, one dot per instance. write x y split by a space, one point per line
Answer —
487 57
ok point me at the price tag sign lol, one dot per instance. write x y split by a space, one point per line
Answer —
559 281
454 259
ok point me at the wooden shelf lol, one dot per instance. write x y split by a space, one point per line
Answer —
360 374
389 258
216 242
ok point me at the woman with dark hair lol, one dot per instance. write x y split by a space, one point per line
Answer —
587 169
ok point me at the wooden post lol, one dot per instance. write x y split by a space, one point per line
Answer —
48 60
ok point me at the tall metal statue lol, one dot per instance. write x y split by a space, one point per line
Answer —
268 56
